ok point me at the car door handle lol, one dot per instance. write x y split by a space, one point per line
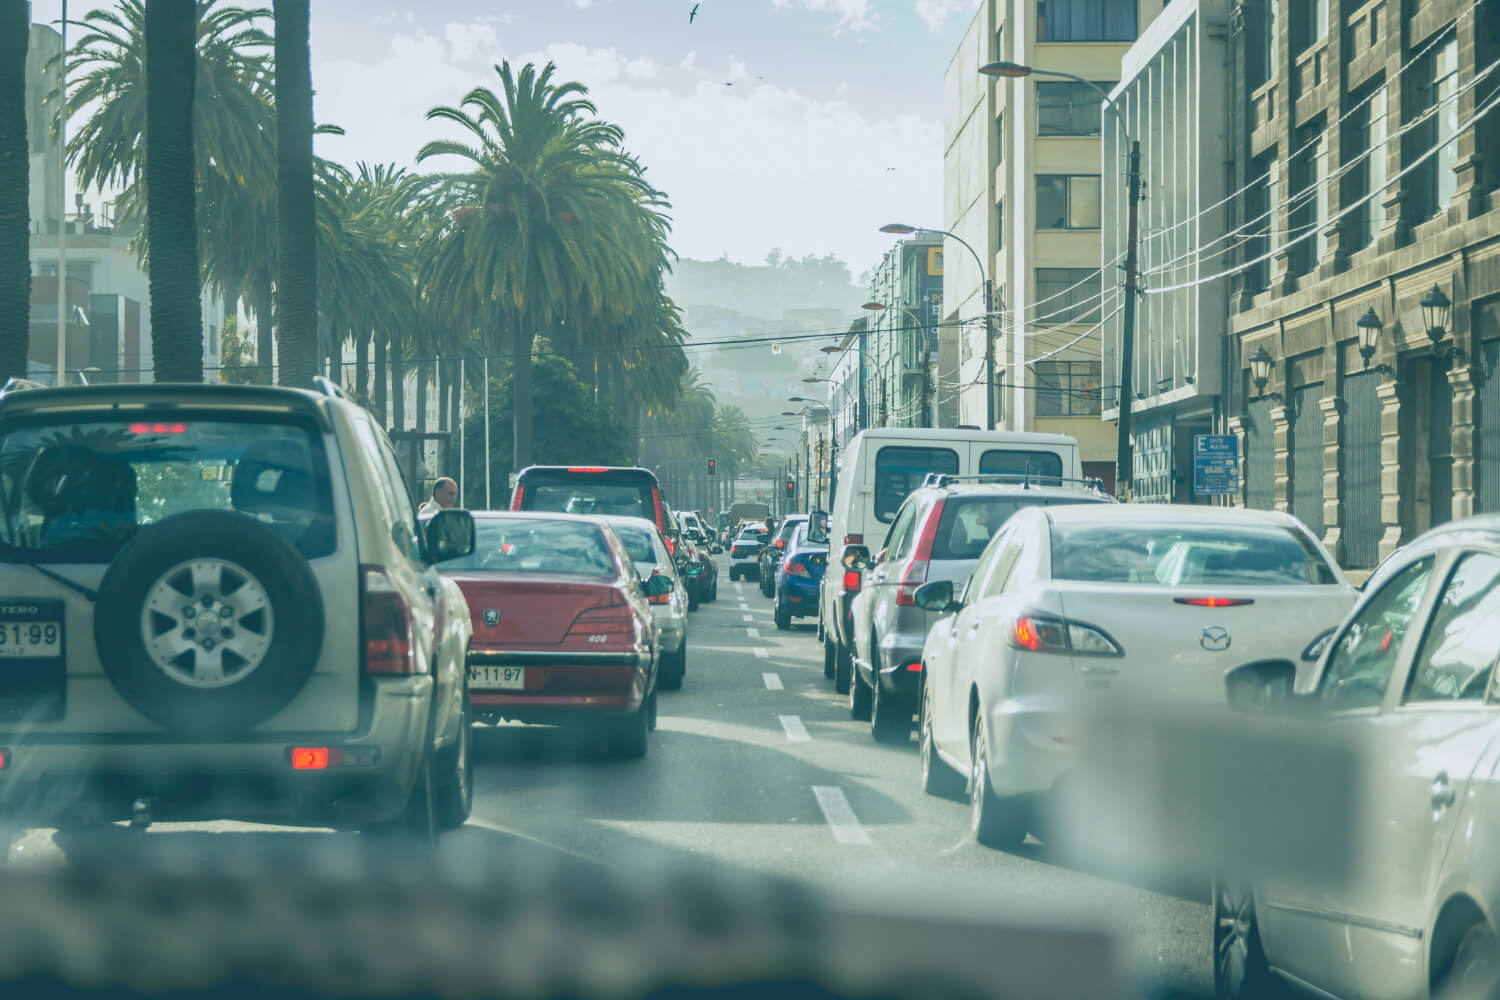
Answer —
1443 794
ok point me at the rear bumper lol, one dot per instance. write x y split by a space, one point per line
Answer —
799 595
50 776
566 689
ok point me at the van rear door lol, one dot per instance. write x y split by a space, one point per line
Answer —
1042 461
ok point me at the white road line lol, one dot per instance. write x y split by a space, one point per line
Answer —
773 682
796 732
846 826
749 618
754 633
761 654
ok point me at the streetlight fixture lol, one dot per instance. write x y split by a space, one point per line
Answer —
902 229
1261 364
1368 328
1436 309
1124 454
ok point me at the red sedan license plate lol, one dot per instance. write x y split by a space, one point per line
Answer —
500 678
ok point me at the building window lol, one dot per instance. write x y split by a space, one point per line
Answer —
1068 295
1260 40
1067 388
1085 21
1434 94
1365 131
1310 23
1066 201
1256 227
1000 138
1309 207
1000 225
1069 108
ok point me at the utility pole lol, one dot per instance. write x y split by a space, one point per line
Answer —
989 355
1124 457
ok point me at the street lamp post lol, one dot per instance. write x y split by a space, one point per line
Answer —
989 305
1124 456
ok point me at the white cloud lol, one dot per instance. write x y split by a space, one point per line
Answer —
580 4
468 41
689 62
853 14
935 13
641 69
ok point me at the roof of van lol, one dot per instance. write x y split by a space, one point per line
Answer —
943 435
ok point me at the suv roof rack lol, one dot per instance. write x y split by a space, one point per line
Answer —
328 387
19 385
1025 480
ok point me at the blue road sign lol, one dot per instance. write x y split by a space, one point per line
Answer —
1216 465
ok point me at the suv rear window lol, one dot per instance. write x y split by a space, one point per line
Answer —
76 492
618 492
969 523
899 471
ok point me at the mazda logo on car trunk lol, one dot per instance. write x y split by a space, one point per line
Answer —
1215 639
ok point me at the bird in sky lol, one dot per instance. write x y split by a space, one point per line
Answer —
693 13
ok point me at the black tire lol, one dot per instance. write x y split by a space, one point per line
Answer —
692 598
994 822
269 561
674 669
628 736
1240 968
830 656
1474 973
937 777
418 821
734 574
453 793
843 666
890 718
859 697
651 714
783 617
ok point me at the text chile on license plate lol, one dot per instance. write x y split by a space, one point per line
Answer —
503 678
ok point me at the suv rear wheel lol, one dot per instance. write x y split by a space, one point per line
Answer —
454 794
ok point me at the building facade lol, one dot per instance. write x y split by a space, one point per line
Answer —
1365 282
901 344
1173 99
1022 186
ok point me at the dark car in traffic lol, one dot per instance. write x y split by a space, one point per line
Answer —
799 577
770 556
591 489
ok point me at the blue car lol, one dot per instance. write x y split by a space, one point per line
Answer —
799 578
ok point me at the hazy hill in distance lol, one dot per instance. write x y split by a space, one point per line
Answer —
785 296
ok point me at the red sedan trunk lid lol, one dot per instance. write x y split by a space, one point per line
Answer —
528 611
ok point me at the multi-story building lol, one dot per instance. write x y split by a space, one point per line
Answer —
1021 185
1173 99
901 345
1364 277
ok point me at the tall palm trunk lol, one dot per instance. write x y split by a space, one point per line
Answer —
423 369
381 379
455 396
261 300
296 218
171 215
397 361
15 175
362 364
520 357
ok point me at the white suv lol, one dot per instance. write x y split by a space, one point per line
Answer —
217 603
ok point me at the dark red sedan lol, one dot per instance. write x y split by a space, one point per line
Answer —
563 631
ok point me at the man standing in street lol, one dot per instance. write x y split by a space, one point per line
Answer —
444 495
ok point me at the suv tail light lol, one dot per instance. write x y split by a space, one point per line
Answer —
386 625
519 498
916 569
661 520
781 543
1049 634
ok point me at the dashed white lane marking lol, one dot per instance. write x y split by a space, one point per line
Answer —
761 654
749 618
796 732
754 633
773 682
846 826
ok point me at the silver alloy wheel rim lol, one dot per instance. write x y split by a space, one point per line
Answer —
207 623
924 742
1232 948
978 776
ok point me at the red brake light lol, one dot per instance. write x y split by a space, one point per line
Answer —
310 758
661 520
851 581
660 598
519 498
671 546
386 625
587 468
781 543
1215 602
1039 635
4 759
794 567
916 570
158 428
854 539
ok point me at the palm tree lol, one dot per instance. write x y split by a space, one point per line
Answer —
15 173
296 203
539 219
171 218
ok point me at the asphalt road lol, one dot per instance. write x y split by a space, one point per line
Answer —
757 768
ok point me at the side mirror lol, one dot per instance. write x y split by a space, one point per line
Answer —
817 528
658 585
856 557
450 535
1261 686
936 596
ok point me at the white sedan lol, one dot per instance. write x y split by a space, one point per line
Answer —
1095 601
648 550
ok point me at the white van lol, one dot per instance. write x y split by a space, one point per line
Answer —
878 468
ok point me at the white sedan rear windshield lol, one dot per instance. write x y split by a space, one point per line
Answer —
1174 555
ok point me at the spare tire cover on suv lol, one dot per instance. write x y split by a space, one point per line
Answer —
208 622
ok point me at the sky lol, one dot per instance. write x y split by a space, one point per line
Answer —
802 125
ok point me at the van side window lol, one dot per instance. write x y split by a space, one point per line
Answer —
900 470
1029 464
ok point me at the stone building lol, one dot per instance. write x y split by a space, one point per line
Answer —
1367 162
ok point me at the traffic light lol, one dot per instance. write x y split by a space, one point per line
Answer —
712 470
791 489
